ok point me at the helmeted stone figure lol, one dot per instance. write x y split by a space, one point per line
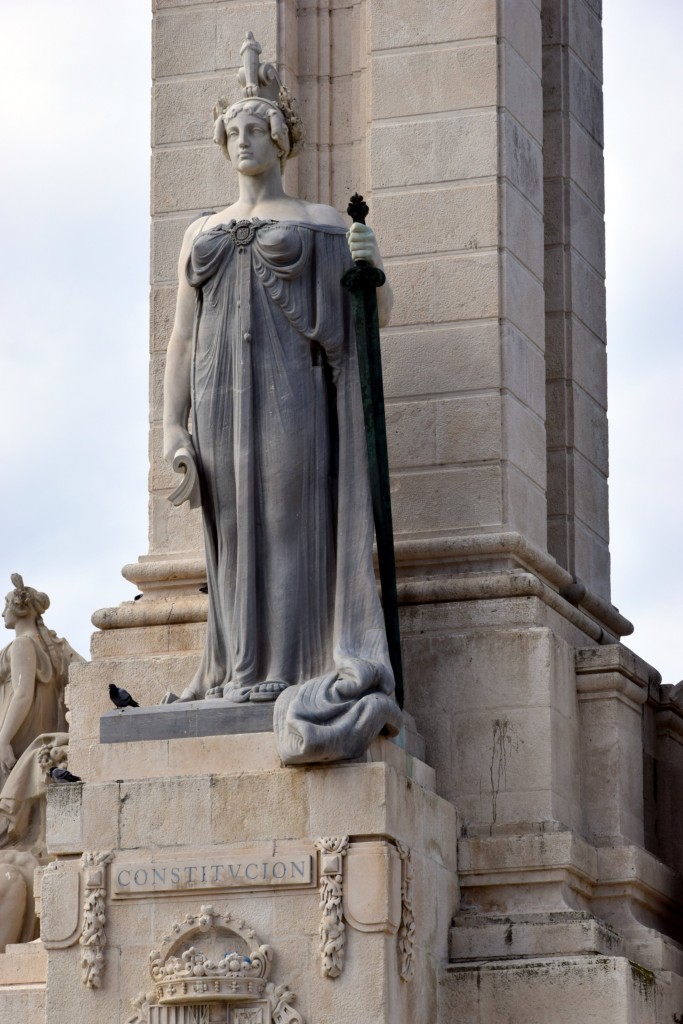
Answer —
263 354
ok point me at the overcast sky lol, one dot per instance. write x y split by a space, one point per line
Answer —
74 178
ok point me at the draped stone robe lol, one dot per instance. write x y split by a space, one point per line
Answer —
278 433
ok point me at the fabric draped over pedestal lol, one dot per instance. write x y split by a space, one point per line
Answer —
278 434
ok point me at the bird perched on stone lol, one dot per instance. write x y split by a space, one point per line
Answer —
63 775
120 698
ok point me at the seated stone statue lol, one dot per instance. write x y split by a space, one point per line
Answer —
33 738
263 355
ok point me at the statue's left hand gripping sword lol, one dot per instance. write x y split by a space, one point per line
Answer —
362 281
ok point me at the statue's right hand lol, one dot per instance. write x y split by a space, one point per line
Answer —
175 438
7 758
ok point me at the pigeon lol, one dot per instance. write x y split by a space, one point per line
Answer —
120 698
63 775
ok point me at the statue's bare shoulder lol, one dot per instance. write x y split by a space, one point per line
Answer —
192 230
283 208
23 646
319 213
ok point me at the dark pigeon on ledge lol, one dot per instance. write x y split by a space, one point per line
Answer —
120 698
63 775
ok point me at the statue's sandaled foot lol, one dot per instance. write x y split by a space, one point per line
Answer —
270 690
259 693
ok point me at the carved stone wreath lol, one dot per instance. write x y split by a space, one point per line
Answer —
242 232
232 969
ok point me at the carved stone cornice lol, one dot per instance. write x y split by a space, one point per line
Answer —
430 569
613 672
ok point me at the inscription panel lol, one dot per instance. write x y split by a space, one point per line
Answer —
244 869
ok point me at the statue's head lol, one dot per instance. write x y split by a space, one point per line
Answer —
263 97
23 602
270 115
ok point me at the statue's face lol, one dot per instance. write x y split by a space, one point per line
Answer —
251 148
9 615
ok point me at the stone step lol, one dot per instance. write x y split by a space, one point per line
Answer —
586 989
513 936
23 964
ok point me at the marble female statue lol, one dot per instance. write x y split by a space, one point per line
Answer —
262 355
33 675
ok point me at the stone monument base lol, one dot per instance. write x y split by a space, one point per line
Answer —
185 848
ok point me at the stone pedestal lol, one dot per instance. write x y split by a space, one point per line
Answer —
285 852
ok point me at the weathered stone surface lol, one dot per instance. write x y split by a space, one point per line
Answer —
184 42
444 289
522 93
442 149
524 232
436 220
522 161
451 79
457 430
606 989
431 500
25 1002
452 358
521 27
177 721
435 22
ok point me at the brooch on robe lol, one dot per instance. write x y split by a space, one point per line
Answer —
242 231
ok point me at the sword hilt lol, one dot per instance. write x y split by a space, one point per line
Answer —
358 210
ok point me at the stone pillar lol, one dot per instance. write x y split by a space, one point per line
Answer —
663 743
578 529
612 686
456 178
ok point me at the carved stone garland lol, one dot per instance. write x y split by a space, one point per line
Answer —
187 981
332 929
93 938
406 931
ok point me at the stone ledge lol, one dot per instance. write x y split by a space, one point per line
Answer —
159 608
630 889
562 989
614 658
571 933
428 570
194 719
186 720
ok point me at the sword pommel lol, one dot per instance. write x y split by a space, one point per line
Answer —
357 209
